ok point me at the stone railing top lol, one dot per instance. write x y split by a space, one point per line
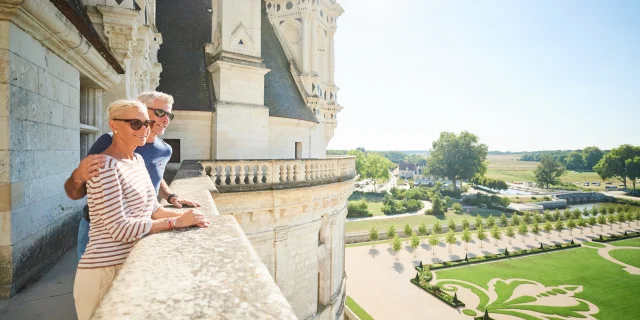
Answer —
274 174
211 273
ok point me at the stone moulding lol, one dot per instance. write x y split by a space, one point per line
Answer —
44 22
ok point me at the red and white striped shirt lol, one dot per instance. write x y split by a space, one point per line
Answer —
121 199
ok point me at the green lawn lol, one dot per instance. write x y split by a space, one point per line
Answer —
374 203
635 242
628 256
603 283
363 315
415 220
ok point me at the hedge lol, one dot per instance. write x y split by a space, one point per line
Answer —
443 296
500 256
627 235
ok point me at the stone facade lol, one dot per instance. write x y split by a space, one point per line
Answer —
54 80
299 235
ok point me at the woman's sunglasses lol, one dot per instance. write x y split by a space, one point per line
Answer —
160 113
137 124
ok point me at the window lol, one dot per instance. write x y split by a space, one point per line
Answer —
175 145
90 117
298 150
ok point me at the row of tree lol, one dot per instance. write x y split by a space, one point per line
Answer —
573 160
622 163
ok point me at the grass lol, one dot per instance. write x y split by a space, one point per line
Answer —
626 243
604 283
363 315
593 244
374 202
415 220
507 168
628 256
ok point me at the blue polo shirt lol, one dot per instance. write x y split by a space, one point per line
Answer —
156 155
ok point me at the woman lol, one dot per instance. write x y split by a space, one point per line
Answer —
123 207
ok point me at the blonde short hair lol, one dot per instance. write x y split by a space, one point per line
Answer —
149 97
116 108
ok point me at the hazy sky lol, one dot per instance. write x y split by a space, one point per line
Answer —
522 75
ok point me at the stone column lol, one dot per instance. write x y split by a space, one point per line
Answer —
305 42
331 34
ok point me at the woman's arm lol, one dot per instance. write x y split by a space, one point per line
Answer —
162 213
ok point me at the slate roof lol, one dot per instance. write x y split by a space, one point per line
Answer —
185 30
407 166
281 94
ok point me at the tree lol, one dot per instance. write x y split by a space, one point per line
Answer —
571 224
433 242
633 170
547 215
466 237
523 229
602 219
422 229
491 221
556 215
547 228
373 235
397 245
527 217
360 160
437 227
437 204
376 168
465 223
457 207
593 211
451 225
559 226
478 221
496 234
450 237
457 156
603 210
481 235
577 213
515 220
535 228
391 232
611 219
582 223
549 171
511 233
407 230
575 161
591 156
415 242
621 217
614 163
592 222
567 214
503 220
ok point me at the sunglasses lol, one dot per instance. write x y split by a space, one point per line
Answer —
137 124
160 113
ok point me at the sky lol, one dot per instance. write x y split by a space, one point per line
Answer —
522 75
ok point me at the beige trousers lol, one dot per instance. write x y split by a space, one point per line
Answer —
89 288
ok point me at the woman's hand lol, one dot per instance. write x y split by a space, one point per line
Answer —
192 218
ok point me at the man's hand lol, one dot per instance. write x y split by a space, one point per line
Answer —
179 202
88 168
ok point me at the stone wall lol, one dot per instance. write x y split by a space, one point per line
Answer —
283 135
193 128
39 147
242 131
298 233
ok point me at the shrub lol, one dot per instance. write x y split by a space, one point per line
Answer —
358 209
457 207
412 205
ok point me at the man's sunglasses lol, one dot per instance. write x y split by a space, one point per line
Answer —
137 124
160 113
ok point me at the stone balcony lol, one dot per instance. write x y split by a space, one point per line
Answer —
258 175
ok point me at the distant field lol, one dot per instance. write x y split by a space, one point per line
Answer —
507 167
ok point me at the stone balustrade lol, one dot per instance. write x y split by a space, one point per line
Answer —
256 175
211 273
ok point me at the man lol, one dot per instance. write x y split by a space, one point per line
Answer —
156 154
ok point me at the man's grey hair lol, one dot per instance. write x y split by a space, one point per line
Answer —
149 97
